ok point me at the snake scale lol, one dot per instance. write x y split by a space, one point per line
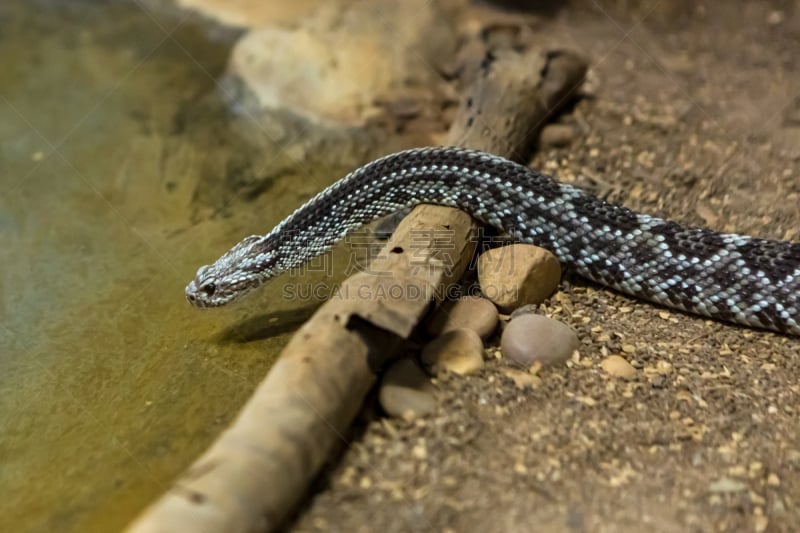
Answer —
734 278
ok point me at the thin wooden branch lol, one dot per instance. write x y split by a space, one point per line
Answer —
260 468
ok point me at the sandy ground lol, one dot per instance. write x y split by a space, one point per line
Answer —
690 114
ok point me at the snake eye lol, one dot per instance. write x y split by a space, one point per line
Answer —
209 289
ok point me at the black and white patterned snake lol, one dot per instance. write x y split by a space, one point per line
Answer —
734 278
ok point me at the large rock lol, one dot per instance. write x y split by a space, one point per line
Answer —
340 66
254 13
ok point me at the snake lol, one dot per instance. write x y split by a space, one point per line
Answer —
733 278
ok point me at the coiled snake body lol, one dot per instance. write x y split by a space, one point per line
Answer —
735 278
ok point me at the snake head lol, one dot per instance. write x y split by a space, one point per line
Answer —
246 266
202 290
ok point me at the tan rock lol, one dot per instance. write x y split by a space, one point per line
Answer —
471 312
334 67
253 13
530 338
518 274
406 392
617 366
458 350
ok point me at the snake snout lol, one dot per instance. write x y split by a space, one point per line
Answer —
191 294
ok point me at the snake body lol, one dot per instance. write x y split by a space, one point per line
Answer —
734 278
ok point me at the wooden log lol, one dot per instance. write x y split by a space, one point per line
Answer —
259 469
504 110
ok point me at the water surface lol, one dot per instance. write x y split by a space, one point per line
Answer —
110 383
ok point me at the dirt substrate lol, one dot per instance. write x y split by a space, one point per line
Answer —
692 114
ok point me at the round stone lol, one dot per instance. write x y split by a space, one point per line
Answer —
533 338
406 392
458 350
471 312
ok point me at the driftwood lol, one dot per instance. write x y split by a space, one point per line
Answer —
260 468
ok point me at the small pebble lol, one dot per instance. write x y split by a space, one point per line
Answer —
518 274
775 17
406 392
458 350
658 381
727 485
523 380
535 338
617 366
557 135
471 312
